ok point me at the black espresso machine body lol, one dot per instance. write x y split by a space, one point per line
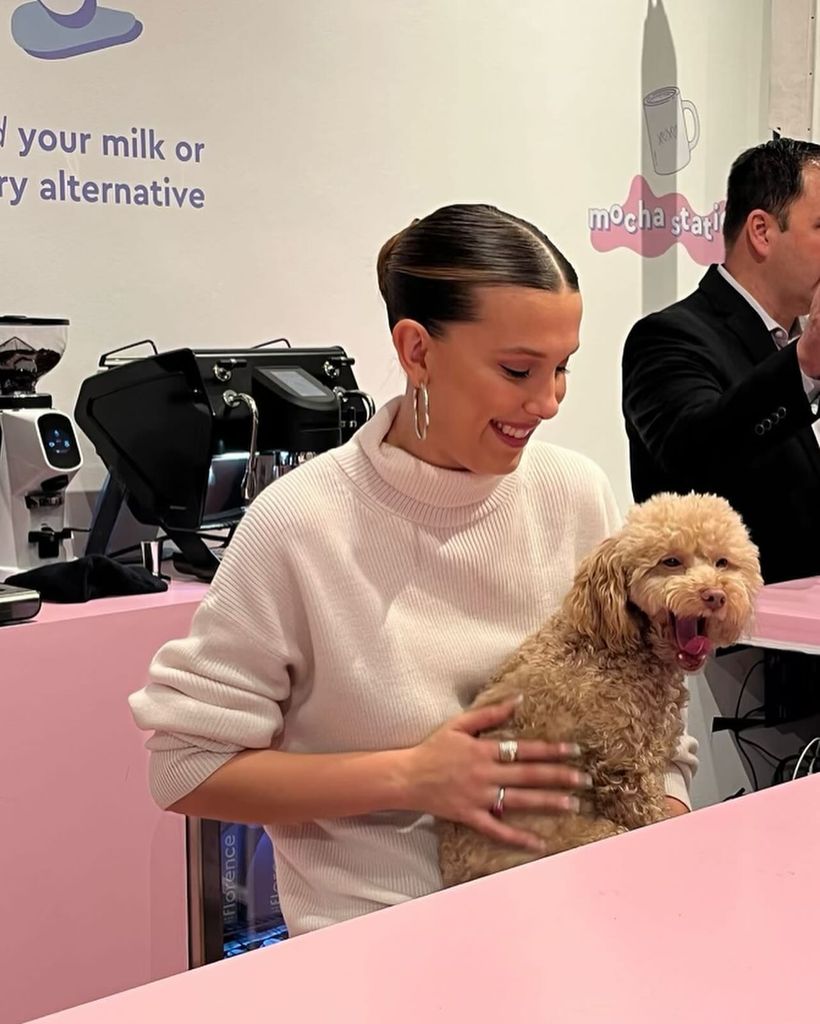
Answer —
189 437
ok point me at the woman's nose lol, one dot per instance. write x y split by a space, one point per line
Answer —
544 405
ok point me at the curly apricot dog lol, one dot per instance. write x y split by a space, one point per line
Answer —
607 670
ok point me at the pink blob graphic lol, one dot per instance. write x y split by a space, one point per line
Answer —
650 224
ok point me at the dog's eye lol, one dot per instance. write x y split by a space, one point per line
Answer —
722 563
671 562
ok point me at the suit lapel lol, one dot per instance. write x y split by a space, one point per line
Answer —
739 318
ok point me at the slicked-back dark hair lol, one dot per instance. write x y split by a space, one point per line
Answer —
429 271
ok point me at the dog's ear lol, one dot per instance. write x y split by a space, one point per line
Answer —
597 607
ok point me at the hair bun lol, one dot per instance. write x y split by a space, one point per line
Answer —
386 251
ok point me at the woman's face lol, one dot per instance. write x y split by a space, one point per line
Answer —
492 381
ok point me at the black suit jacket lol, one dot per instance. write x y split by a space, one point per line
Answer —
711 405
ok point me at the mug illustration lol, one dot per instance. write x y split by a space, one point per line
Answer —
54 29
670 143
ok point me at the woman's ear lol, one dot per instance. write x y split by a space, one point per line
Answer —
412 342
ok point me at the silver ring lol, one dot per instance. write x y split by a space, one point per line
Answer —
508 751
497 808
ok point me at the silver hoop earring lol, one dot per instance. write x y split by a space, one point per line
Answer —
421 422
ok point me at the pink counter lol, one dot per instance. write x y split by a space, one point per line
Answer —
787 616
706 917
95 876
93 873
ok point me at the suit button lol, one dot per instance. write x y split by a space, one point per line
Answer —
760 430
767 424
781 412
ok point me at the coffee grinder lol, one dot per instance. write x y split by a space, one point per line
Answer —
39 453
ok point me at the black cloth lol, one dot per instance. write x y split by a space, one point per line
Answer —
712 405
85 579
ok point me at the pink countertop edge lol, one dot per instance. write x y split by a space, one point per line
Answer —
788 614
667 923
178 592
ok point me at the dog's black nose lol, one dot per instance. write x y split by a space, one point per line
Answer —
713 597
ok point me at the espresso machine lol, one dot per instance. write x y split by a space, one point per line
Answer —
39 453
191 436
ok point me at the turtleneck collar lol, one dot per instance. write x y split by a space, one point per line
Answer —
413 488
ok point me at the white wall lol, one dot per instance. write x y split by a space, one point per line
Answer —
327 126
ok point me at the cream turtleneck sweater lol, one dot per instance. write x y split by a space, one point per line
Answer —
363 601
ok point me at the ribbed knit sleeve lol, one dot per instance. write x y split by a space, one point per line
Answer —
677 779
218 690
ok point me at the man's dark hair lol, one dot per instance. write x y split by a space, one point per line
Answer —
767 177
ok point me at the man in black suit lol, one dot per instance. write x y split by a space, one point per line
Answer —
720 390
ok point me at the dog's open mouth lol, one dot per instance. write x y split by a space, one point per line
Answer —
693 645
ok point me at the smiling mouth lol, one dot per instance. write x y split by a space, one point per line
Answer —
515 436
691 640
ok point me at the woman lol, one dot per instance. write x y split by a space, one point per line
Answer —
366 597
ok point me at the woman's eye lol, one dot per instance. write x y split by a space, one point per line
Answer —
562 369
515 374
671 563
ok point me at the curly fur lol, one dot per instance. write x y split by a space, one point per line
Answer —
605 671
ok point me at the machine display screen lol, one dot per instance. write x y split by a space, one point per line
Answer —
59 442
300 384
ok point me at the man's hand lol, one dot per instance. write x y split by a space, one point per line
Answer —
808 344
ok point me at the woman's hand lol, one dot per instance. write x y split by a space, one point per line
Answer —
456 775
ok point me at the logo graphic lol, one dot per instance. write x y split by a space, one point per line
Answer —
54 29
669 141
647 223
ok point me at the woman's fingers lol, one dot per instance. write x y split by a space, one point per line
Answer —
458 774
533 750
492 824
534 775
548 800
476 720
496 829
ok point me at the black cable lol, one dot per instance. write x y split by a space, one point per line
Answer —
273 341
779 774
772 757
739 740
745 684
753 711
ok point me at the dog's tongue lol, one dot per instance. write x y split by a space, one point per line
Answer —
689 640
